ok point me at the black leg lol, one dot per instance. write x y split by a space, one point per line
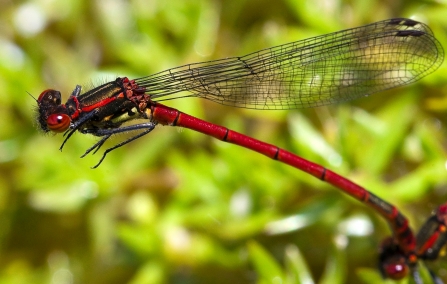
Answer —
107 133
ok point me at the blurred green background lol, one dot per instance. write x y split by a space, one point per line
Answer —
177 206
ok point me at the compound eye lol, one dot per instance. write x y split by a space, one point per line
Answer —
58 122
396 271
50 97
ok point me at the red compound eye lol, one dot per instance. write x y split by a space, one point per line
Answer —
396 271
58 122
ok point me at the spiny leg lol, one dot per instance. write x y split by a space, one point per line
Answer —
97 145
76 125
107 133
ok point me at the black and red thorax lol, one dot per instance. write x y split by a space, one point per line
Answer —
112 103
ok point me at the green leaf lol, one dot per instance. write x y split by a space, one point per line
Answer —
335 271
266 266
297 269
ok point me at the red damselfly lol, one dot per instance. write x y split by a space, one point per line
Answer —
431 242
322 70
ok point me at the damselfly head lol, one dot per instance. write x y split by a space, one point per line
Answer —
52 115
393 263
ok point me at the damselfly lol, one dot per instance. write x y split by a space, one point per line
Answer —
322 70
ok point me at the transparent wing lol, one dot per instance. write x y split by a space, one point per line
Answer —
317 71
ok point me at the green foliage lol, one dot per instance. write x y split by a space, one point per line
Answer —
178 207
